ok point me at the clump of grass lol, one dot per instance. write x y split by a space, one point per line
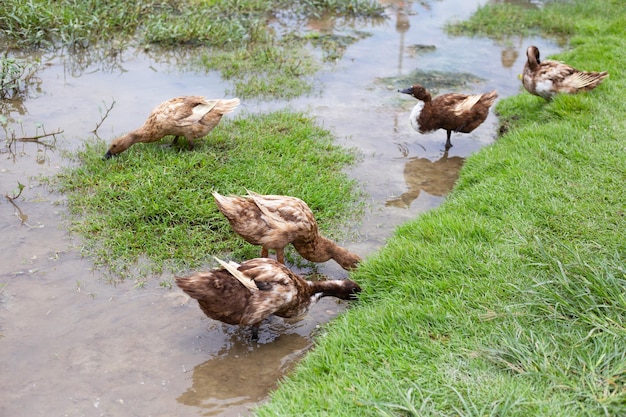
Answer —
277 70
154 202
505 19
16 75
578 291
434 81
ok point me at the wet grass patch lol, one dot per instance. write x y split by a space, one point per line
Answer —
434 81
263 46
153 202
279 71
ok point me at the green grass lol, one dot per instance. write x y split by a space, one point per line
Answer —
510 298
153 203
265 54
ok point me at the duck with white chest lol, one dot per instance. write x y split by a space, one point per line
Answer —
453 112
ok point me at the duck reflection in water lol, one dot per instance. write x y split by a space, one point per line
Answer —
433 177
239 376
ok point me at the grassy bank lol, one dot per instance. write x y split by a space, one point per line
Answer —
509 299
152 205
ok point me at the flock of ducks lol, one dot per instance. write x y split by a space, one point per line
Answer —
246 294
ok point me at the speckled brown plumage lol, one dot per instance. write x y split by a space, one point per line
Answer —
452 112
222 296
548 78
191 117
274 221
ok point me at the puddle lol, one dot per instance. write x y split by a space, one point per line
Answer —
74 345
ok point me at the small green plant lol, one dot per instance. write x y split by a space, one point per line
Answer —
20 188
15 76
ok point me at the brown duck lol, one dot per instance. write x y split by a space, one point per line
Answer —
247 294
191 117
274 221
548 78
452 112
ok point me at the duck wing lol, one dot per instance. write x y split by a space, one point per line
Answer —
288 214
232 267
277 288
464 105
192 110
581 80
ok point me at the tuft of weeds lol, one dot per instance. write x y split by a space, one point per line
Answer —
16 76
153 203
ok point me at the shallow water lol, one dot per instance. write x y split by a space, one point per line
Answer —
72 344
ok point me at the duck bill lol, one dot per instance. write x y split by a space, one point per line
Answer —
107 155
406 91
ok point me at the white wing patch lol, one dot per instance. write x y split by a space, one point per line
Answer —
467 104
198 112
232 268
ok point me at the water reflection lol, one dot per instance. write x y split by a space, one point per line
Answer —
433 177
242 374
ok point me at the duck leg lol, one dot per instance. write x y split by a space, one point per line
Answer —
280 255
265 252
176 142
255 333
448 143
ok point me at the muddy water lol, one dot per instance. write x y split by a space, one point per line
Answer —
73 344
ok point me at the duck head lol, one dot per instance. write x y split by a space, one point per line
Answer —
418 91
348 261
119 145
345 290
353 289
533 54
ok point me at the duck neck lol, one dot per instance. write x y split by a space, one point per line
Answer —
330 288
533 61
130 139
321 250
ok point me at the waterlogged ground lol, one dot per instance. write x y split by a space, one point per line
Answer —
73 344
